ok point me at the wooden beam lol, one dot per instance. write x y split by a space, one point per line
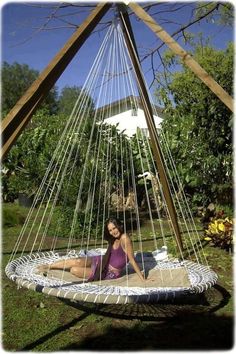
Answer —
147 107
21 113
185 56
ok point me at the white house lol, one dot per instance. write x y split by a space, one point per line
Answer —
128 115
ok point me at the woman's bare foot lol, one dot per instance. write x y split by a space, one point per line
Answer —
43 268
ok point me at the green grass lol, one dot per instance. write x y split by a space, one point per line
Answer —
36 322
13 215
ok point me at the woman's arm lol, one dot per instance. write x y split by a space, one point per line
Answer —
128 249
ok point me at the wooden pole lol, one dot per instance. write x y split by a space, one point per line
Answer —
147 107
185 56
21 113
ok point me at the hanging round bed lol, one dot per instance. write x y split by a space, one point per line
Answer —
172 279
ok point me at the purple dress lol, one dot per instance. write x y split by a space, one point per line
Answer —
117 259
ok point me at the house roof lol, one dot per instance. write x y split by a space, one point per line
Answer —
125 104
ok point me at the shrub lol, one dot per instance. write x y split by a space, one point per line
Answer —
220 233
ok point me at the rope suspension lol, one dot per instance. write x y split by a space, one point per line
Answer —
99 171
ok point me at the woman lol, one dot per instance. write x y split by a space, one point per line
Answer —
110 265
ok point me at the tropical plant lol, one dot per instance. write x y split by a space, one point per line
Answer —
220 233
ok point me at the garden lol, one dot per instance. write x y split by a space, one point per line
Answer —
198 130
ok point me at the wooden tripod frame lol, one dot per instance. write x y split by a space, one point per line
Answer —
147 107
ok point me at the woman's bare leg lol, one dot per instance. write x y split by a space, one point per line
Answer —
69 263
82 272
84 262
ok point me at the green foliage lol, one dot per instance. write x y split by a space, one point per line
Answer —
227 12
142 160
198 128
84 224
69 97
169 58
221 13
29 158
16 79
225 210
94 179
220 232
27 161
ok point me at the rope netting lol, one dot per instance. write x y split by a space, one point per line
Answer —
99 170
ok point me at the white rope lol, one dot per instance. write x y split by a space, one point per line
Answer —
155 175
111 77
60 145
162 197
187 212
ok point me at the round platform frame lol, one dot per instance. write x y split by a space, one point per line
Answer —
23 271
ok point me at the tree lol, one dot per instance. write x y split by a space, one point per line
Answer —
67 99
16 79
27 161
198 126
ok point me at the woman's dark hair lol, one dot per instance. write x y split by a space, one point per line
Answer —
110 240
107 236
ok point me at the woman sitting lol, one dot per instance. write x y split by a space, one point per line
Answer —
108 266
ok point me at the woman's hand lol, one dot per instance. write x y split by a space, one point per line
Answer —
150 280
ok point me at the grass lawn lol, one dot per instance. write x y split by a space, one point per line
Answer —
36 322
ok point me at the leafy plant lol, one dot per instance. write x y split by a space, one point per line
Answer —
198 127
16 79
28 159
220 233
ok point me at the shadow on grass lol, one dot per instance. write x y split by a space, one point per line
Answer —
58 330
198 333
191 305
190 324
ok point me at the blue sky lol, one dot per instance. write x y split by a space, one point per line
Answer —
23 43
